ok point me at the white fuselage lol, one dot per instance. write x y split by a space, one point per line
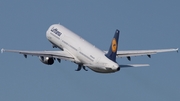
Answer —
83 52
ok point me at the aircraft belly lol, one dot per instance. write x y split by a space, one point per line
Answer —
98 70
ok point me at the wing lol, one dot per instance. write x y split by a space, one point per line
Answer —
142 52
55 54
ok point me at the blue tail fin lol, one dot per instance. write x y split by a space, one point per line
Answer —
113 47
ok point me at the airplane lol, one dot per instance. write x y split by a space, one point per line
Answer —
76 49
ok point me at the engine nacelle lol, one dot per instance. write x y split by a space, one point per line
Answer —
46 60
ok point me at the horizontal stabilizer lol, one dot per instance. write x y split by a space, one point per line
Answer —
134 65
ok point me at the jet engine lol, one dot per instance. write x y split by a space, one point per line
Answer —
46 60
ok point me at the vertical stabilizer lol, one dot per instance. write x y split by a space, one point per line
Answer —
113 47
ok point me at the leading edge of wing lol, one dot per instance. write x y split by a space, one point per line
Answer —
56 54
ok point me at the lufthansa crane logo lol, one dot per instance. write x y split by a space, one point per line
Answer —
114 45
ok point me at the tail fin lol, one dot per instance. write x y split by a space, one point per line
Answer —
113 47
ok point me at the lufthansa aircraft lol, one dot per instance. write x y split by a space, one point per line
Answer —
77 50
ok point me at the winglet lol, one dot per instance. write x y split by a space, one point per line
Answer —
2 50
177 50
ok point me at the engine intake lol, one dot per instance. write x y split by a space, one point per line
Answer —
46 60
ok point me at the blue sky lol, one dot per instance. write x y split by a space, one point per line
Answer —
152 24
